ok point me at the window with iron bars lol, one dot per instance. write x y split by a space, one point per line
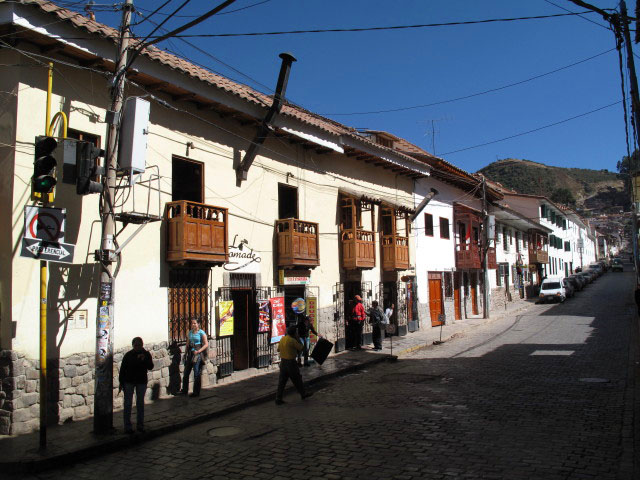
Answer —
189 298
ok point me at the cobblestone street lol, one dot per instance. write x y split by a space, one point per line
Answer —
544 395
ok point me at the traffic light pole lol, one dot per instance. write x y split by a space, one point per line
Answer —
103 410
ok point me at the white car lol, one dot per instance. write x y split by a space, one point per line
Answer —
552 290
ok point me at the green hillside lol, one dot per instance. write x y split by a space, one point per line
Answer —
592 189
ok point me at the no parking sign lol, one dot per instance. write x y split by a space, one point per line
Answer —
44 223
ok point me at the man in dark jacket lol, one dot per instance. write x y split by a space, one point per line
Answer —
376 315
133 376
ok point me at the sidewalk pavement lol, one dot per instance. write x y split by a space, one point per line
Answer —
75 441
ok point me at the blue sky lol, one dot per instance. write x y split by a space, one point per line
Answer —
338 73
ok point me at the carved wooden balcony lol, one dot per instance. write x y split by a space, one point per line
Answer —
468 256
358 249
538 256
492 261
395 253
196 233
298 243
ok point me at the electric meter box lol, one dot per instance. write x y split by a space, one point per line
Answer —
134 130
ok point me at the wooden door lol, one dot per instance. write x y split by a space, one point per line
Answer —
474 293
456 296
436 306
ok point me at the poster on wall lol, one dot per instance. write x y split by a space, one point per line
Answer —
312 312
225 310
264 318
279 327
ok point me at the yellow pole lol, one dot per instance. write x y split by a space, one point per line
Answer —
43 297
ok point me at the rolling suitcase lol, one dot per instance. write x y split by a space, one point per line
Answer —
321 350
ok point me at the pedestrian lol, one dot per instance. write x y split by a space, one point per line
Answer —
358 316
389 311
133 376
288 348
304 327
195 356
376 318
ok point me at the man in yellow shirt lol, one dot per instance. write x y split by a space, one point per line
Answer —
288 348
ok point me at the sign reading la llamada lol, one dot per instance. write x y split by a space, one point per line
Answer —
242 258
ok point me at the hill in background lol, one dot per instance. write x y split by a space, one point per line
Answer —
598 191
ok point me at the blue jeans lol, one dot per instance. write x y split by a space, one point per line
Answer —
306 343
128 389
197 379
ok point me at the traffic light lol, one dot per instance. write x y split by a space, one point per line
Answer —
87 168
44 180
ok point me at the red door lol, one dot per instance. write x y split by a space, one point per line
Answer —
474 293
436 307
456 296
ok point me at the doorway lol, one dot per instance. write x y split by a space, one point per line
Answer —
351 289
474 293
243 328
436 305
187 180
287 201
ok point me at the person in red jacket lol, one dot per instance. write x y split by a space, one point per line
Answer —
358 316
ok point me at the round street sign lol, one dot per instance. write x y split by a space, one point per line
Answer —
44 223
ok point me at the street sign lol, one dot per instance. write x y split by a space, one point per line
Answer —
43 250
44 223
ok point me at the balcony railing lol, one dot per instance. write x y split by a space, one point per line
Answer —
538 256
298 243
358 249
395 253
492 261
196 232
468 256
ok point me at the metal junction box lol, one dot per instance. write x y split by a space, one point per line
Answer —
134 130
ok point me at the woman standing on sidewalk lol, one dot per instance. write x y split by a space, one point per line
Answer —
195 354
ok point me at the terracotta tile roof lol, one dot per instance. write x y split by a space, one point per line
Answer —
244 92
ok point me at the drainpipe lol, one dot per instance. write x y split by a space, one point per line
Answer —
263 130
423 203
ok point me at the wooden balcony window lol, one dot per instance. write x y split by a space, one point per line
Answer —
468 256
468 252
358 243
538 247
298 243
196 232
395 239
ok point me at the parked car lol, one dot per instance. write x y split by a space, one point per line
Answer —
617 266
551 290
569 289
578 270
597 268
576 282
588 277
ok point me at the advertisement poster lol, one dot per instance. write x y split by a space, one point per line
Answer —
312 312
264 319
226 317
279 327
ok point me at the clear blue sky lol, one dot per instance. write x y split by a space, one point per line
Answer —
370 71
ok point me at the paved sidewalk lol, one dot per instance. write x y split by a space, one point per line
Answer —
75 441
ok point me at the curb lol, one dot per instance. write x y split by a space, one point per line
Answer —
122 442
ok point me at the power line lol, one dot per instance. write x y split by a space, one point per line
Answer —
222 13
484 92
371 29
584 18
534 130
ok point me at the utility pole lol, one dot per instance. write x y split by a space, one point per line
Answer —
485 251
103 410
635 109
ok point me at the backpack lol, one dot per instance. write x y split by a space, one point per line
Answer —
385 319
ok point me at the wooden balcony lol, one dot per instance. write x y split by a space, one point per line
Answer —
358 249
297 243
538 256
468 256
196 232
395 253
492 261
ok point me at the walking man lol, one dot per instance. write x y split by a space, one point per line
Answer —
376 317
288 348
133 376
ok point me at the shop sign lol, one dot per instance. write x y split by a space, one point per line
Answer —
225 311
242 258
278 324
294 277
263 316
312 313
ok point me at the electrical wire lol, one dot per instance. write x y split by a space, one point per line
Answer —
385 28
534 130
221 13
579 15
464 97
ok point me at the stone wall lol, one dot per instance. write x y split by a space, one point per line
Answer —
500 300
71 385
